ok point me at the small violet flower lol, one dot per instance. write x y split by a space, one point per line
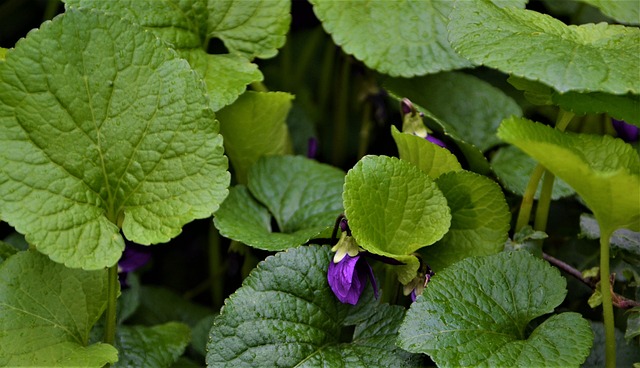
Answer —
348 270
626 132
419 283
412 123
133 257
312 147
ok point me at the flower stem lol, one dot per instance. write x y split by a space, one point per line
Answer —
607 304
113 287
527 198
542 210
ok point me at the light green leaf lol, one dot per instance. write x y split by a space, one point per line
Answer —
303 196
3 51
513 168
400 38
587 58
94 140
480 219
471 107
47 311
286 315
400 88
157 346
476 313
598 168
622 11
393 207
432 159
248 29
255 126
621 107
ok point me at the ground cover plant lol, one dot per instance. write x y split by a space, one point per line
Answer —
271 183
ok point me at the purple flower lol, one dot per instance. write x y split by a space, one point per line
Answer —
435 140
312 147
133 257
626 132
348 278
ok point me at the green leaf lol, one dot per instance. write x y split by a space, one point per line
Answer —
598 168
157 346
471 107
624 241
586 58
285 314
95 140
3 51
399 38
248 29
399 89
255 126
432 159
302 195
513 168
6 250
47 311
476 313
480 219
159 305
622 11
621 107
393 207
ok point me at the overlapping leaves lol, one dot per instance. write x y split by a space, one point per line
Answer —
303 197
95 140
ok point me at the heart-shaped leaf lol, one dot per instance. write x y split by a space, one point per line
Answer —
586 58
285 314
94 140
47 311
157 346
480 219
432 159
476 313
399 38
302 195
393 207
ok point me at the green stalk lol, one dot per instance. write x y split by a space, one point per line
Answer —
113 286
607 303
542 210
527 198
389 287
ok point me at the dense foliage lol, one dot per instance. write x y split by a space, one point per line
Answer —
323 183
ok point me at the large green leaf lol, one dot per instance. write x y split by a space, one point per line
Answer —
480 219
157 346
470 108
599 168
622 107
302 195
247 28
586 58
285 314
622 11
476 313
393 207
255 126
400 38
47 311
432 159
513 168
95 139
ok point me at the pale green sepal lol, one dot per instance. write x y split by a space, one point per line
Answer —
346 245
432 159
599 168
47 311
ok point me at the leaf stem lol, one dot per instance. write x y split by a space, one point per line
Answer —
216 268
527 198
607 305
113 287
542 210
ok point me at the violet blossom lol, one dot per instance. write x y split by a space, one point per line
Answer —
133 257
348 278
626 132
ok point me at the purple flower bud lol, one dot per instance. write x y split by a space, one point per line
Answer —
626 132
348 278
435 140
406 106
312 147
